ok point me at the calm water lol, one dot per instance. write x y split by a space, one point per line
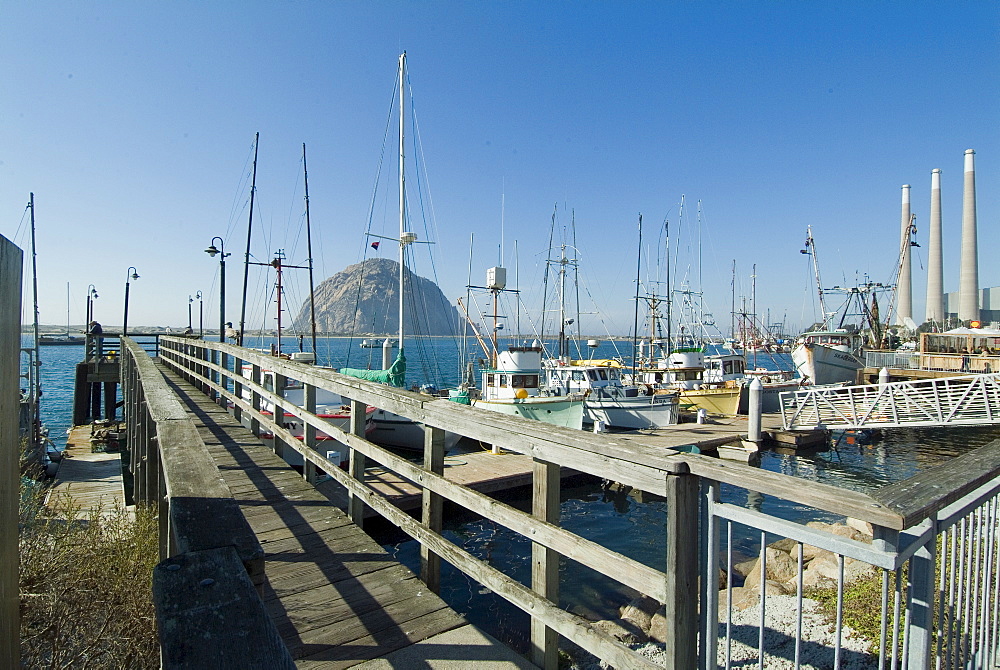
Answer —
618 522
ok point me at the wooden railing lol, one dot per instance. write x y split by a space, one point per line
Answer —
203 533
690 484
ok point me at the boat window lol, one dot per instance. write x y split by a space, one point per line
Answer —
603 373
489 379
517 381
738 367
727 367
503 380
578 375
592 374
531 381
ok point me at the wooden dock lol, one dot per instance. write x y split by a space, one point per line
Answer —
337 598
91 480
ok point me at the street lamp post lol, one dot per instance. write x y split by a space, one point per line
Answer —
221 251
91 297
131 273
190 302
201 315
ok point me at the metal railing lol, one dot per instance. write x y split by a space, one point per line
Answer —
920 546
955 401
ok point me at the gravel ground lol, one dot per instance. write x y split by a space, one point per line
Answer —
779 640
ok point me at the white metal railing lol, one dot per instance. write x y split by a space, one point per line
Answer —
894 360
957 401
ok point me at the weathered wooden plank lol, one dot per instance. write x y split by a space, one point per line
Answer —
209 615
916 498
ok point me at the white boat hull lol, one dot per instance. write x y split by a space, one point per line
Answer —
825 365
639 412
558 411
393 430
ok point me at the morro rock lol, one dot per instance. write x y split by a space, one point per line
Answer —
363 299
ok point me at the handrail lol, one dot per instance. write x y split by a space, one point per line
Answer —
173 468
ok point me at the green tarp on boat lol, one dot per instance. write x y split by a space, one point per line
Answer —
394 376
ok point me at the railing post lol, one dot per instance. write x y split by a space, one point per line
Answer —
921 603
309 432
545 562
237 386
682 572
355 506
709 551
255 400
278 415
432 507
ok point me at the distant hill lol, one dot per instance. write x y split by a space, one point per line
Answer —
363 299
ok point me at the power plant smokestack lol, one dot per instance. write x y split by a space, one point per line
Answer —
968 279
904 289
935 264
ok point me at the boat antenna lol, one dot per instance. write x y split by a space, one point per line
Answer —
309 250
635 320
666 228
246 257
548 263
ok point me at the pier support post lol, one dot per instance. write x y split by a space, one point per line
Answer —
545 562
682 572
883 376
432 507
355 505
754 409
10 446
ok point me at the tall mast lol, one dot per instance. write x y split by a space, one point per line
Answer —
309 250
246 258
635 323
402 192
811 249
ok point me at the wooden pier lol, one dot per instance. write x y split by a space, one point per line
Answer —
89 480
335 596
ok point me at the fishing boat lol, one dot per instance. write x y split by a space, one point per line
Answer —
832 354
683 371
511 379
608 400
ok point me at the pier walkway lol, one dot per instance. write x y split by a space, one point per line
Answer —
336 597
967 400
88 481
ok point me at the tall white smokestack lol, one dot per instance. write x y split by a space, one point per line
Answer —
935 264
904 290
968 279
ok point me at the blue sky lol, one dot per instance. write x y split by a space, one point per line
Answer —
133 124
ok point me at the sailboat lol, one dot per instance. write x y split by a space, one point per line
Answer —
48 339
390 429
330 406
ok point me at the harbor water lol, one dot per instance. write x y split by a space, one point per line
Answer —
630 525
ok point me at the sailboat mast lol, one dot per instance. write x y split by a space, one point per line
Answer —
35 362
246 258
277 266
309 250
402 191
